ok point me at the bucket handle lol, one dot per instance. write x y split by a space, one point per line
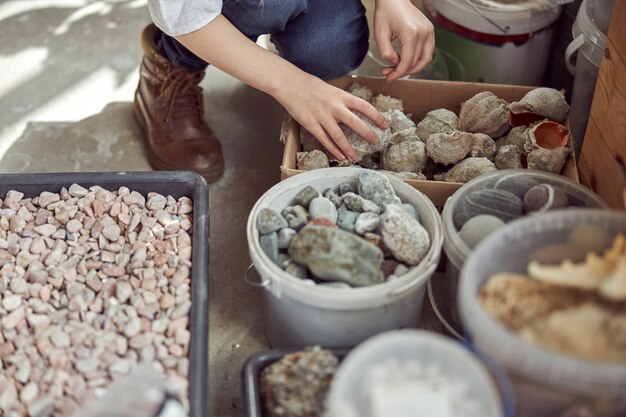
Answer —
258 284
571 49
477 10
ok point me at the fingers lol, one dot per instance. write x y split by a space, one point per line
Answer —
321 135
371 113
426 55
360 128
416 51
340 140
385 48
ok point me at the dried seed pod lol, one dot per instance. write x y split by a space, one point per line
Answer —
551 160
482 146
468 169
509 157
546 135
315 159
448 148
540 103
384 103
407 156
437 121
485 113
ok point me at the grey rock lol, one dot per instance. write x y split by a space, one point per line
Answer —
355 202
517 184
297 270
296 216
269 244
545 197
478 228
336 255
305 196
323 207
345 187
346 220
405 237
284 237
407 156
499 203
333 197
366 222
376 188
269 221
411 210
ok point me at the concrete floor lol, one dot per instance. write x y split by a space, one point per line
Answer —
69 69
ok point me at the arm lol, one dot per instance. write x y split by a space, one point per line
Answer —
316 105
400 19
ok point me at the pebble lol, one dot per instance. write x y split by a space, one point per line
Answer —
376 188
410 210
297 217
284 237
366 222
405 237
333 197
345 187
59 338
76 190
351 259
46 198
11 320
269 245
346 220
545 197
478 228
156 202
123 291
355 202
305 196
502 204
11 302
323 207
517 184
297 270
269 221
111 232
400 270
29 393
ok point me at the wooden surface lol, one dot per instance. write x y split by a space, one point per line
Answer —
602 161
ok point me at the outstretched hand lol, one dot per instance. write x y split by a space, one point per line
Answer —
401 20
320 108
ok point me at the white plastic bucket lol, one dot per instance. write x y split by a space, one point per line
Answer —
546 383
495 43
587 49
297 313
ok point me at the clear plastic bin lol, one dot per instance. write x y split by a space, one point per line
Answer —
547 384
457 251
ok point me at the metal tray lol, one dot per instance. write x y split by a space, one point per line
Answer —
176 184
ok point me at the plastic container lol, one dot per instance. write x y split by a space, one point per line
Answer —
457 251
298 314
495 43
176 184
547 384
251 373
589 32
352 394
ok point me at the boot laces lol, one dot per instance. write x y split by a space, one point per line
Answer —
181 87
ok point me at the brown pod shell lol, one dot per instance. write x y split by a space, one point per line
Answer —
448 148
546 135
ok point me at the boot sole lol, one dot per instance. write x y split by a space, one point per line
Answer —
210 176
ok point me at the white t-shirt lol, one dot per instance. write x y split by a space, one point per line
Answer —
179 17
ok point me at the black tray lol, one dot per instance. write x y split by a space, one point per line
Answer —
176 184
252 370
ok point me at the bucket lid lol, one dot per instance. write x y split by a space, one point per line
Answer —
592 16
521 17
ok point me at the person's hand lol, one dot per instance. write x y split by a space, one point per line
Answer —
401 20
320 107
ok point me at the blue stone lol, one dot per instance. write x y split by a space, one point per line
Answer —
269 244
346 220
269 221
304 197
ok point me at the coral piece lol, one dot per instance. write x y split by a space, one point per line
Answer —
298 384
515 300
551 160
606 274
485 113
448 148
437 121
508 157
384 103
407 156
482 146
360 91
468 169
544 197
579 331
540 103
546 135
315 159
398 121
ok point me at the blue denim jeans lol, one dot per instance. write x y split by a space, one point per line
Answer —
326 38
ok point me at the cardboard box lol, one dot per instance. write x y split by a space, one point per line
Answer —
419 97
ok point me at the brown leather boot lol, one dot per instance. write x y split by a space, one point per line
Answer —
168 106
